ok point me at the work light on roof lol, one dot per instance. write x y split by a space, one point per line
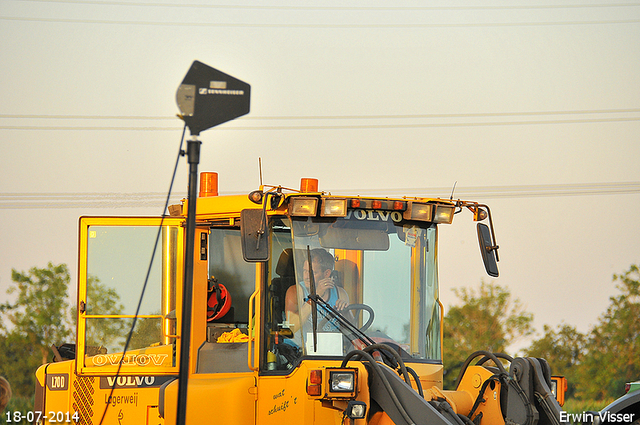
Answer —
333 207
444 214
418 211
303 206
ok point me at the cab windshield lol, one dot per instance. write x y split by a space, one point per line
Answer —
374 269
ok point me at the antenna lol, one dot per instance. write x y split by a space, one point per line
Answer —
453 190
260 168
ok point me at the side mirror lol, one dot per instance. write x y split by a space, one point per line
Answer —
255 236
487 249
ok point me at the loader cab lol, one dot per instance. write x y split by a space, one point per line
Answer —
283 332
382 265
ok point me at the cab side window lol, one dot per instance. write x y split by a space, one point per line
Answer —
280 350
231 283
228 267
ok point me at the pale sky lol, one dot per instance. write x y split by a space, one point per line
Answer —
532 108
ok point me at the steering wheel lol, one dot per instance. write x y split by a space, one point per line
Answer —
353 307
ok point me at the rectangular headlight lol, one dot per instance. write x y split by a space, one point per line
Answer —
342 382
418 211
444 214
333 208
303 207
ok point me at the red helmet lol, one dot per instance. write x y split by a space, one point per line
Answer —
219 301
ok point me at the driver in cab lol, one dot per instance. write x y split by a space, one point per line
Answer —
322 264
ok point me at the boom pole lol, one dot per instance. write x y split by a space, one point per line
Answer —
193 158
206 98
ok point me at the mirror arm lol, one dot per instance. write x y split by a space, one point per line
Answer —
473 207
494 245
263 222
276 197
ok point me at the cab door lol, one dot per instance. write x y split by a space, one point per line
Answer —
129 297
222 385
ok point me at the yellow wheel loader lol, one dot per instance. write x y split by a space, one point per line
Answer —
277 306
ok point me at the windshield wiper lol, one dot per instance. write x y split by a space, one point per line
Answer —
354 332
313 296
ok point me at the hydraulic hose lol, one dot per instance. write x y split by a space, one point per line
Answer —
406 371
395 354
481 393
491 356
446 407
416 378
498 355
465 419
376 368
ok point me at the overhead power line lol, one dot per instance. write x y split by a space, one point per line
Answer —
328 117
88 128
359 121
85 117
330 127
67 200
113 200
339 8
520 191
317 25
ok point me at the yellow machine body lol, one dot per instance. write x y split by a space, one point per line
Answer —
257 365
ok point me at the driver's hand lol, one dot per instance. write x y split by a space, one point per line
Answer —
341 304
324 287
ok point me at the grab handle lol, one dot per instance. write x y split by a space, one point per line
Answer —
250 355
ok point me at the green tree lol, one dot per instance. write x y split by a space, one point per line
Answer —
39 318
147 332
18 362
613 344
563 349
41 311
102 299
487 320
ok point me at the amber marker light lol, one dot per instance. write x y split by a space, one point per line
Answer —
309 185
314 383
208 184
